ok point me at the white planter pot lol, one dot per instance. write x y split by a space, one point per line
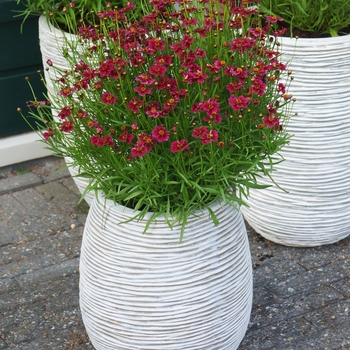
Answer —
149 291
80 182
316 170
53 42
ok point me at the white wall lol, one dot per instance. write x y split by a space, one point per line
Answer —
20 148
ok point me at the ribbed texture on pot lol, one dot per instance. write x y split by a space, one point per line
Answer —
151 292
53 42
81 182
316 170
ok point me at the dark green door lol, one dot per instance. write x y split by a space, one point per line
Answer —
19 57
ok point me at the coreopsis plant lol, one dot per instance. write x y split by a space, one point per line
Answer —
174 111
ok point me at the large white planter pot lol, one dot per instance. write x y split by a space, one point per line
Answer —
316 170
53 43
149 291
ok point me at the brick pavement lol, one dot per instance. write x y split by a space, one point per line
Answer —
301 296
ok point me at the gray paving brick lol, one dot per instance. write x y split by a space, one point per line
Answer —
9 235
64 268
19 182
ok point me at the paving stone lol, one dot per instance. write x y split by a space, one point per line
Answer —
9 235
19 182
286 335
333 317
307 280
70 184
64 268
33 215
343 286
301 304
31 256
8 285
66 200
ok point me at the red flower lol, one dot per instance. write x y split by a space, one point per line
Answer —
145 79
81 114
210 106
198 132
242 44
64 113
140 149
153 112
213 117
134 104
142 90
156 45
106 68
106 140
47 134
273 19
179 145
238 102
81 84
187 41
100 141
163 59
160 133
196 76
67 126
234 86
126 137
211 136
108 98
89 73
157 70
66 91
92 123
258 87
239 72
281 88
270 121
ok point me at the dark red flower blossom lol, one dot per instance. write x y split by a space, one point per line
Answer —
67 126
210 136
179 145
64 113
145 79
198 132
238 102
140 149
270 121
242 44
47 134
126 137
157 70
142 90
156 45
160 133
134 104
108 98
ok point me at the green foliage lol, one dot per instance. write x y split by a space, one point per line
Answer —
21 170
221 96
317 16
65 14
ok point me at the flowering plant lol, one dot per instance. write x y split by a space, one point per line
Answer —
65 14
174 111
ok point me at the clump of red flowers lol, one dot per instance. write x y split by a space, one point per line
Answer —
193 92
